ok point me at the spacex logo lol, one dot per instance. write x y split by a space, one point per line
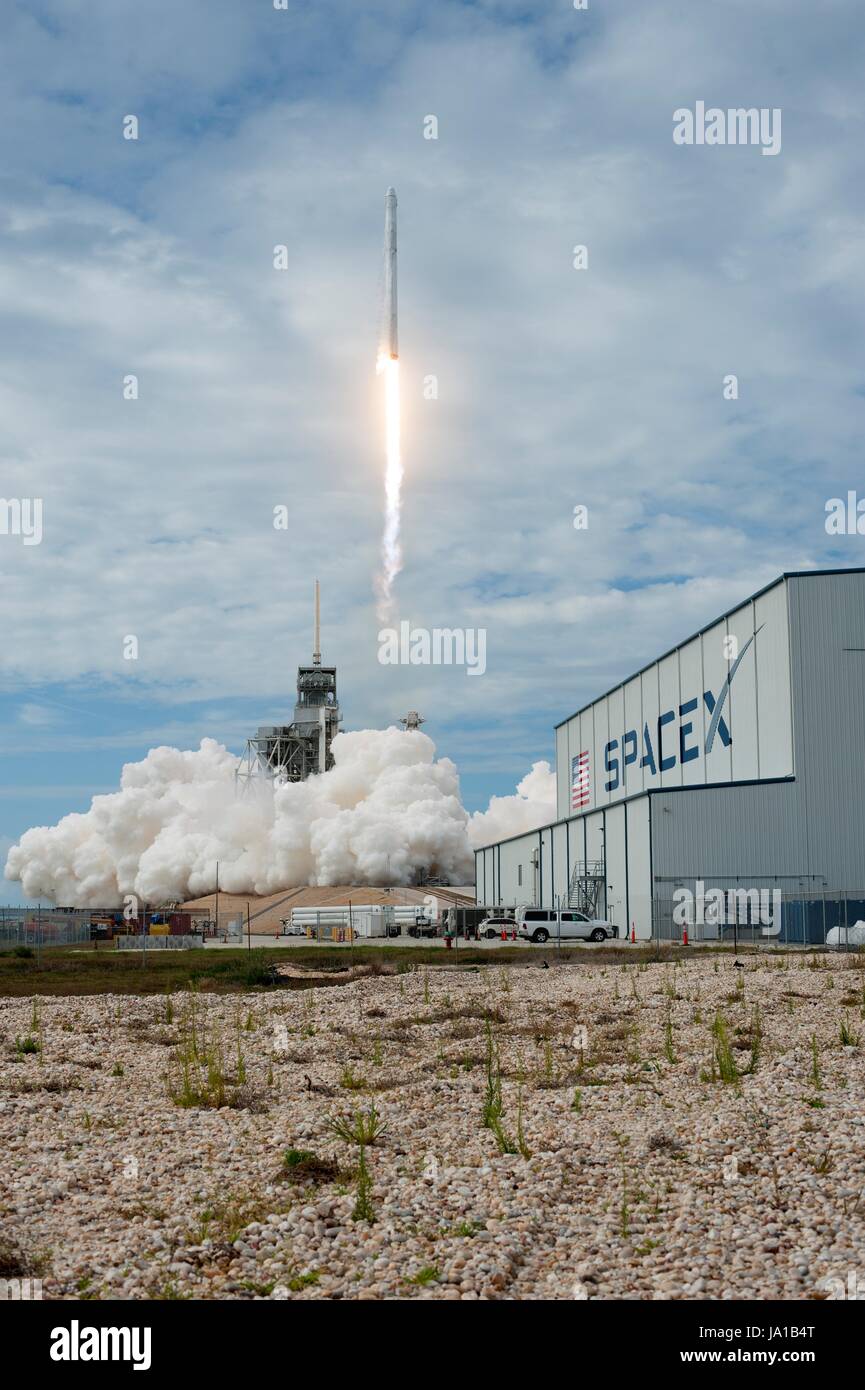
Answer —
662 750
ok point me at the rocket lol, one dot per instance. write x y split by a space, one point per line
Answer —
390 343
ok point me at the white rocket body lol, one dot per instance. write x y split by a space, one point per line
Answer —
390 334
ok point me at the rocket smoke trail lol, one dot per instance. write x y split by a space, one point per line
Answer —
388 365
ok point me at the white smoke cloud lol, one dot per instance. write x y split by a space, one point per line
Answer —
532 805
384 810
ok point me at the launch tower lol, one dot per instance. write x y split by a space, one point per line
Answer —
292 752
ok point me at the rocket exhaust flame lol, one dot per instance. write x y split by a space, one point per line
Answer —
388 365
391 551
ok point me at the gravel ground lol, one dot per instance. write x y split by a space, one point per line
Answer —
638 1171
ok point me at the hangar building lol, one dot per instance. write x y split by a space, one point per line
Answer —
737 758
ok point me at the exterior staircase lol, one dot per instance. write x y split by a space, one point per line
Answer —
585 886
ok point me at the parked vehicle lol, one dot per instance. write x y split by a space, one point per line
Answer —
290 928
538 924
466 921
423 927
491 927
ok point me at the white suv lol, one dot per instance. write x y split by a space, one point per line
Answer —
491 927
540 923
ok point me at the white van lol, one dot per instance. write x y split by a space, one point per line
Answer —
539 924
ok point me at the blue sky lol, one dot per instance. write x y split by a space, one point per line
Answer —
556 387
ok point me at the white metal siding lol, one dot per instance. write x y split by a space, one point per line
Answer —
827 617
616 877
616 704
563 786
753 833
647 735
741 707
668 739
773 682
691 683
634 720
561 860
639 868
757 712
797 701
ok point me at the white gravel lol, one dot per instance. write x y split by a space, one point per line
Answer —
664 1183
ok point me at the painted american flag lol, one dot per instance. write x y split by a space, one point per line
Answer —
580 781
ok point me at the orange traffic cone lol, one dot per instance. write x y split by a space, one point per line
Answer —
504 934
684 936
633 935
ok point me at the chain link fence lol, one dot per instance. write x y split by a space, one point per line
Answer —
33 927
770 916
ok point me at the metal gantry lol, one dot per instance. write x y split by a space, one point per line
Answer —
292 752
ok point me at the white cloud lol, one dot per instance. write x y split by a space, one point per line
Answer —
556 386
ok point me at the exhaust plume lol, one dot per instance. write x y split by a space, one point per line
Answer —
532 805
388 365
386 809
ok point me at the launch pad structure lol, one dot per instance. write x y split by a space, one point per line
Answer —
292 752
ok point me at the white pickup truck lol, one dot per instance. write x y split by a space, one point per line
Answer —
539 924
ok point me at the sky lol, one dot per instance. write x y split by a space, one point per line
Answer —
557 387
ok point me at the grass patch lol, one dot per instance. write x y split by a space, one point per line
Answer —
362 1128
350 1082
17 1261
464 1231
197 1077
849 1038
493 1107
78 970
723 1062
228 1217
263 1290
363 1208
